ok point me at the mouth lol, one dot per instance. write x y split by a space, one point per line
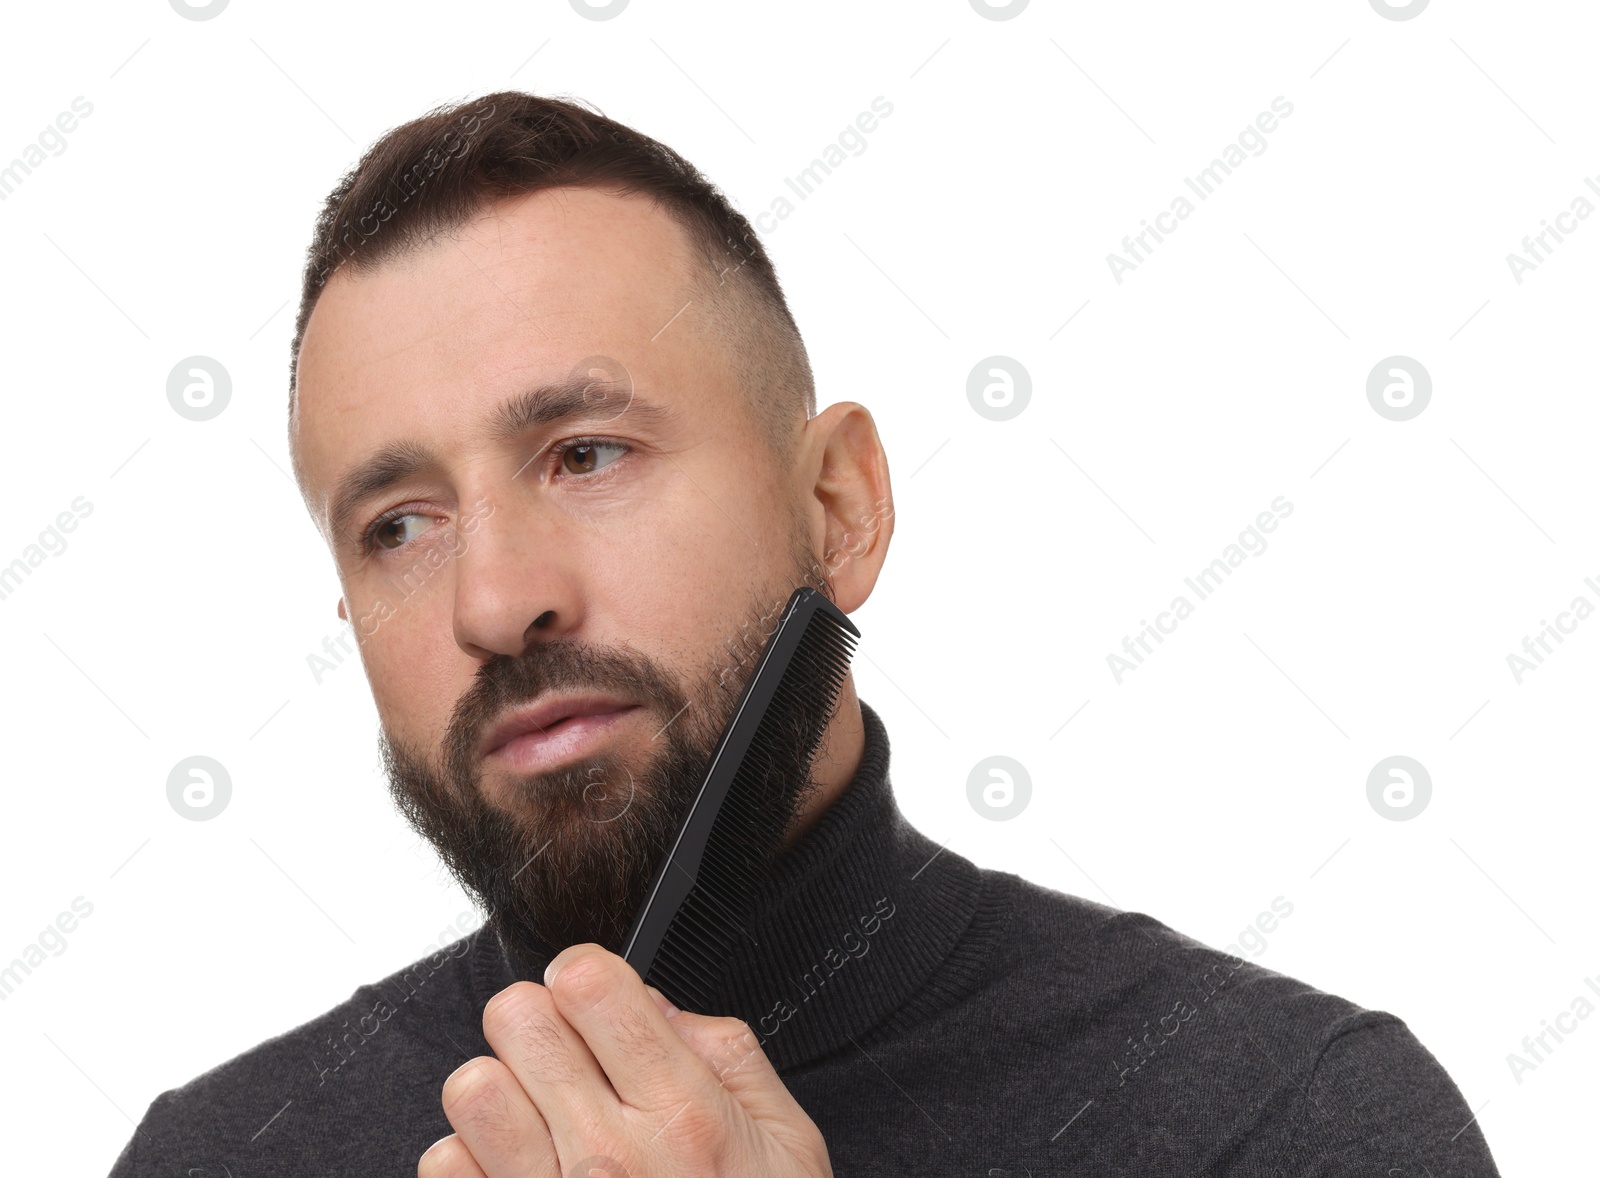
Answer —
531 743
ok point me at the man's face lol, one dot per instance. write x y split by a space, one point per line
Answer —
512 564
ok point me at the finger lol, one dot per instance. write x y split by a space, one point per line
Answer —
496 1121
448 1157
604 1000
552 1064
733 1054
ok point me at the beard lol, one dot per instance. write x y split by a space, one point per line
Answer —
568 856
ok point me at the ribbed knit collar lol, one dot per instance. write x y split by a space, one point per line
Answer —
864 926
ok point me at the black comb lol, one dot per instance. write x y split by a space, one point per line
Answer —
685 932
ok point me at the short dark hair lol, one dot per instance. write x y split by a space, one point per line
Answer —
433 174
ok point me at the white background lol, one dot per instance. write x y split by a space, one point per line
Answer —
1226 370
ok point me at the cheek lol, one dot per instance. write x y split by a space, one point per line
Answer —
693 558
667 602
691 601
412 662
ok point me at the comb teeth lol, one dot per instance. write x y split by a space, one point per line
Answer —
709 927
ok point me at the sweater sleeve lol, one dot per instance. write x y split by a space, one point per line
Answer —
1379 1103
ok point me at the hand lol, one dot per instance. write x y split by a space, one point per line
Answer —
595 1073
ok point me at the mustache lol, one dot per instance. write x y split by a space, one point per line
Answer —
566 856
505 682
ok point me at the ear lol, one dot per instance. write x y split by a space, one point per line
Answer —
343 617
849 504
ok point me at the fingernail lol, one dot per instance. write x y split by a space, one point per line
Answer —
661 1000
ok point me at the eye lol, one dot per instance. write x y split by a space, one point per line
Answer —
399 526
394 529
580 456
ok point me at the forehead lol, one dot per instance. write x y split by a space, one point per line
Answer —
516 297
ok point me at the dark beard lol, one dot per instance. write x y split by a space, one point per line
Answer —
568 856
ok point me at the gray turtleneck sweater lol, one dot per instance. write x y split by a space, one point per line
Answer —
933 1018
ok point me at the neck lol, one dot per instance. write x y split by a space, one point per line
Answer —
862 928
838 759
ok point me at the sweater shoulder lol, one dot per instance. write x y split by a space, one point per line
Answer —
380 1047
1110 968
1264 1068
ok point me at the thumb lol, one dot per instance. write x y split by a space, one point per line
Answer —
733 1053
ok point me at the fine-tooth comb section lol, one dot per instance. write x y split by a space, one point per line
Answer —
694 919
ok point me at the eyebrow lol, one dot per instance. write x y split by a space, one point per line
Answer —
574 399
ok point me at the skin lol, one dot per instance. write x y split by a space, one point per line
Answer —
658 552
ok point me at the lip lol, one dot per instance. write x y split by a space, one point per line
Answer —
553 728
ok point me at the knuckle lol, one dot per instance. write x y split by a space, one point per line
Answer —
472 1093
636 1037
586 981
522 1024
734 1033
733 1047
503 1013
541 1052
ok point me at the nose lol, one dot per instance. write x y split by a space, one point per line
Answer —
516 581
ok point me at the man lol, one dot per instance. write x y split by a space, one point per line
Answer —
555 422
